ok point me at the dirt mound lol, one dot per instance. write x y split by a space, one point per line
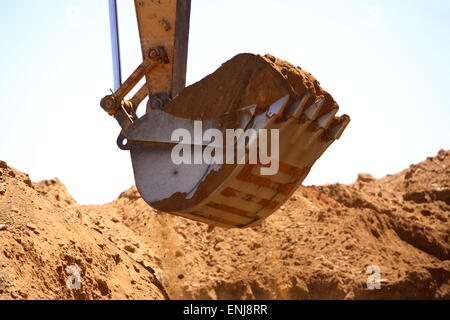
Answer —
319 245
47 252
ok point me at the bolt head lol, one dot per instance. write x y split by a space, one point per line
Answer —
156 103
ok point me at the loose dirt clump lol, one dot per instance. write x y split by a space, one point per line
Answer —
324 243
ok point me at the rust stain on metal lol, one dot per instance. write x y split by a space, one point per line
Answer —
288 188
227 208
229 192
165 24
268 204
247 175
215 218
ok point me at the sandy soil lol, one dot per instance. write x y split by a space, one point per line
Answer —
318 245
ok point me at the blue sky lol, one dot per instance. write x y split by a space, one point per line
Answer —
387 64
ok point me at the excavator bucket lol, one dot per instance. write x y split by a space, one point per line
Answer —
230 149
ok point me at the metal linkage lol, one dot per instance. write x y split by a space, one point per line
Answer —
125 110
138 97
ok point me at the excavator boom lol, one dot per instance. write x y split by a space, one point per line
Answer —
165 23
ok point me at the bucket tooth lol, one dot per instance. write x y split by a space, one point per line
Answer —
325 120
313 111
251 109
277 108
246 114
337 130
296 109
322 124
